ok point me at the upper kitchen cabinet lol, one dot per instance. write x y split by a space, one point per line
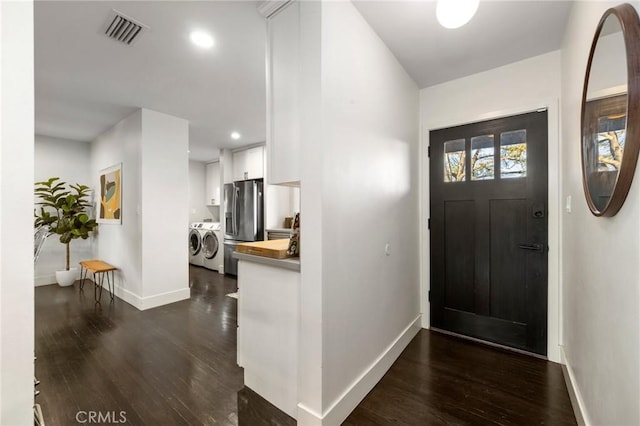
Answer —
283 78
248 163
212 184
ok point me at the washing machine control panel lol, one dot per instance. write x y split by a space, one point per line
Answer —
206 226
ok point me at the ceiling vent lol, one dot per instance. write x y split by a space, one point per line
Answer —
122 28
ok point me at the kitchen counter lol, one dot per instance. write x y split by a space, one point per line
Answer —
292 263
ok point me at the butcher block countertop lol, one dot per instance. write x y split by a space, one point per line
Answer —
272 253
276 249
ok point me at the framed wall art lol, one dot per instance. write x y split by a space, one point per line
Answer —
110 202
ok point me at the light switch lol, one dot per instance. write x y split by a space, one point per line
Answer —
387 249
568 204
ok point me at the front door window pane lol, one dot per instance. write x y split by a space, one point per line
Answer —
454 160
482 157
513 154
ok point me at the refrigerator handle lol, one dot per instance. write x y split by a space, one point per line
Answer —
236 213
255 210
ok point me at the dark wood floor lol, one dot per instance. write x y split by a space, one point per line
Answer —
444 380
176 365
173 365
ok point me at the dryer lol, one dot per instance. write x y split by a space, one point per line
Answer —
212 247
195 244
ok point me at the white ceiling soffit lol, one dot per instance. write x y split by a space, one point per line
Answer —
501 32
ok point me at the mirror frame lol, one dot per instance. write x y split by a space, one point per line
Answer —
630 24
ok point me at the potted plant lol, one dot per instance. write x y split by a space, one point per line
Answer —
63 209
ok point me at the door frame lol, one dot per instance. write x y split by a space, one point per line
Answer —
554 299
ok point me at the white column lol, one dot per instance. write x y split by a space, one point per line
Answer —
16 213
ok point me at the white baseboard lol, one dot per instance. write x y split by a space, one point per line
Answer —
574 393
50 278
308 417
129 297
149 302
45 280
355 393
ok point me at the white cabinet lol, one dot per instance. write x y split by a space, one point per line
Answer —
248 163
212 184
283 94
239 165
268 319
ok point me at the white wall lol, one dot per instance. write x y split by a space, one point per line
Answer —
280 202
482 95
601 277
68 160
359 193
197 207
199 210
213 189
121 245
519 87
16 217
226 166
149 246
165 201
71 162
310 353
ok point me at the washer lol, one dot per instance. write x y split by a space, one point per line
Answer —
195 244
212 248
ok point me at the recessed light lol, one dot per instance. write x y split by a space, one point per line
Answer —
201 39
235 135
455 13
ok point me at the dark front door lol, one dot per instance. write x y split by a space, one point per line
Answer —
488 184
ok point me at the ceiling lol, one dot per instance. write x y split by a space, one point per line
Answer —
86 82
501 32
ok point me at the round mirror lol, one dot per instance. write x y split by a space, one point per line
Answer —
610 111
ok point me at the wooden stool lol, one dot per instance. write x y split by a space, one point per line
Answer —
101 268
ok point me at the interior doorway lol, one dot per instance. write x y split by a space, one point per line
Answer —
489 230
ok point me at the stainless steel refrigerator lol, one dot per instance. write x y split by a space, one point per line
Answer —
243 218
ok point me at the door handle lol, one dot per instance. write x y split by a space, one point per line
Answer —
532 247
538 211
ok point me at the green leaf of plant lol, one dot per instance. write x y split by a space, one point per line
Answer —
63 210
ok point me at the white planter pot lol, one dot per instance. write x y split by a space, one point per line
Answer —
66 278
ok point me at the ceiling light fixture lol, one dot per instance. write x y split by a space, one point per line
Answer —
235 135
201 39
455 13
